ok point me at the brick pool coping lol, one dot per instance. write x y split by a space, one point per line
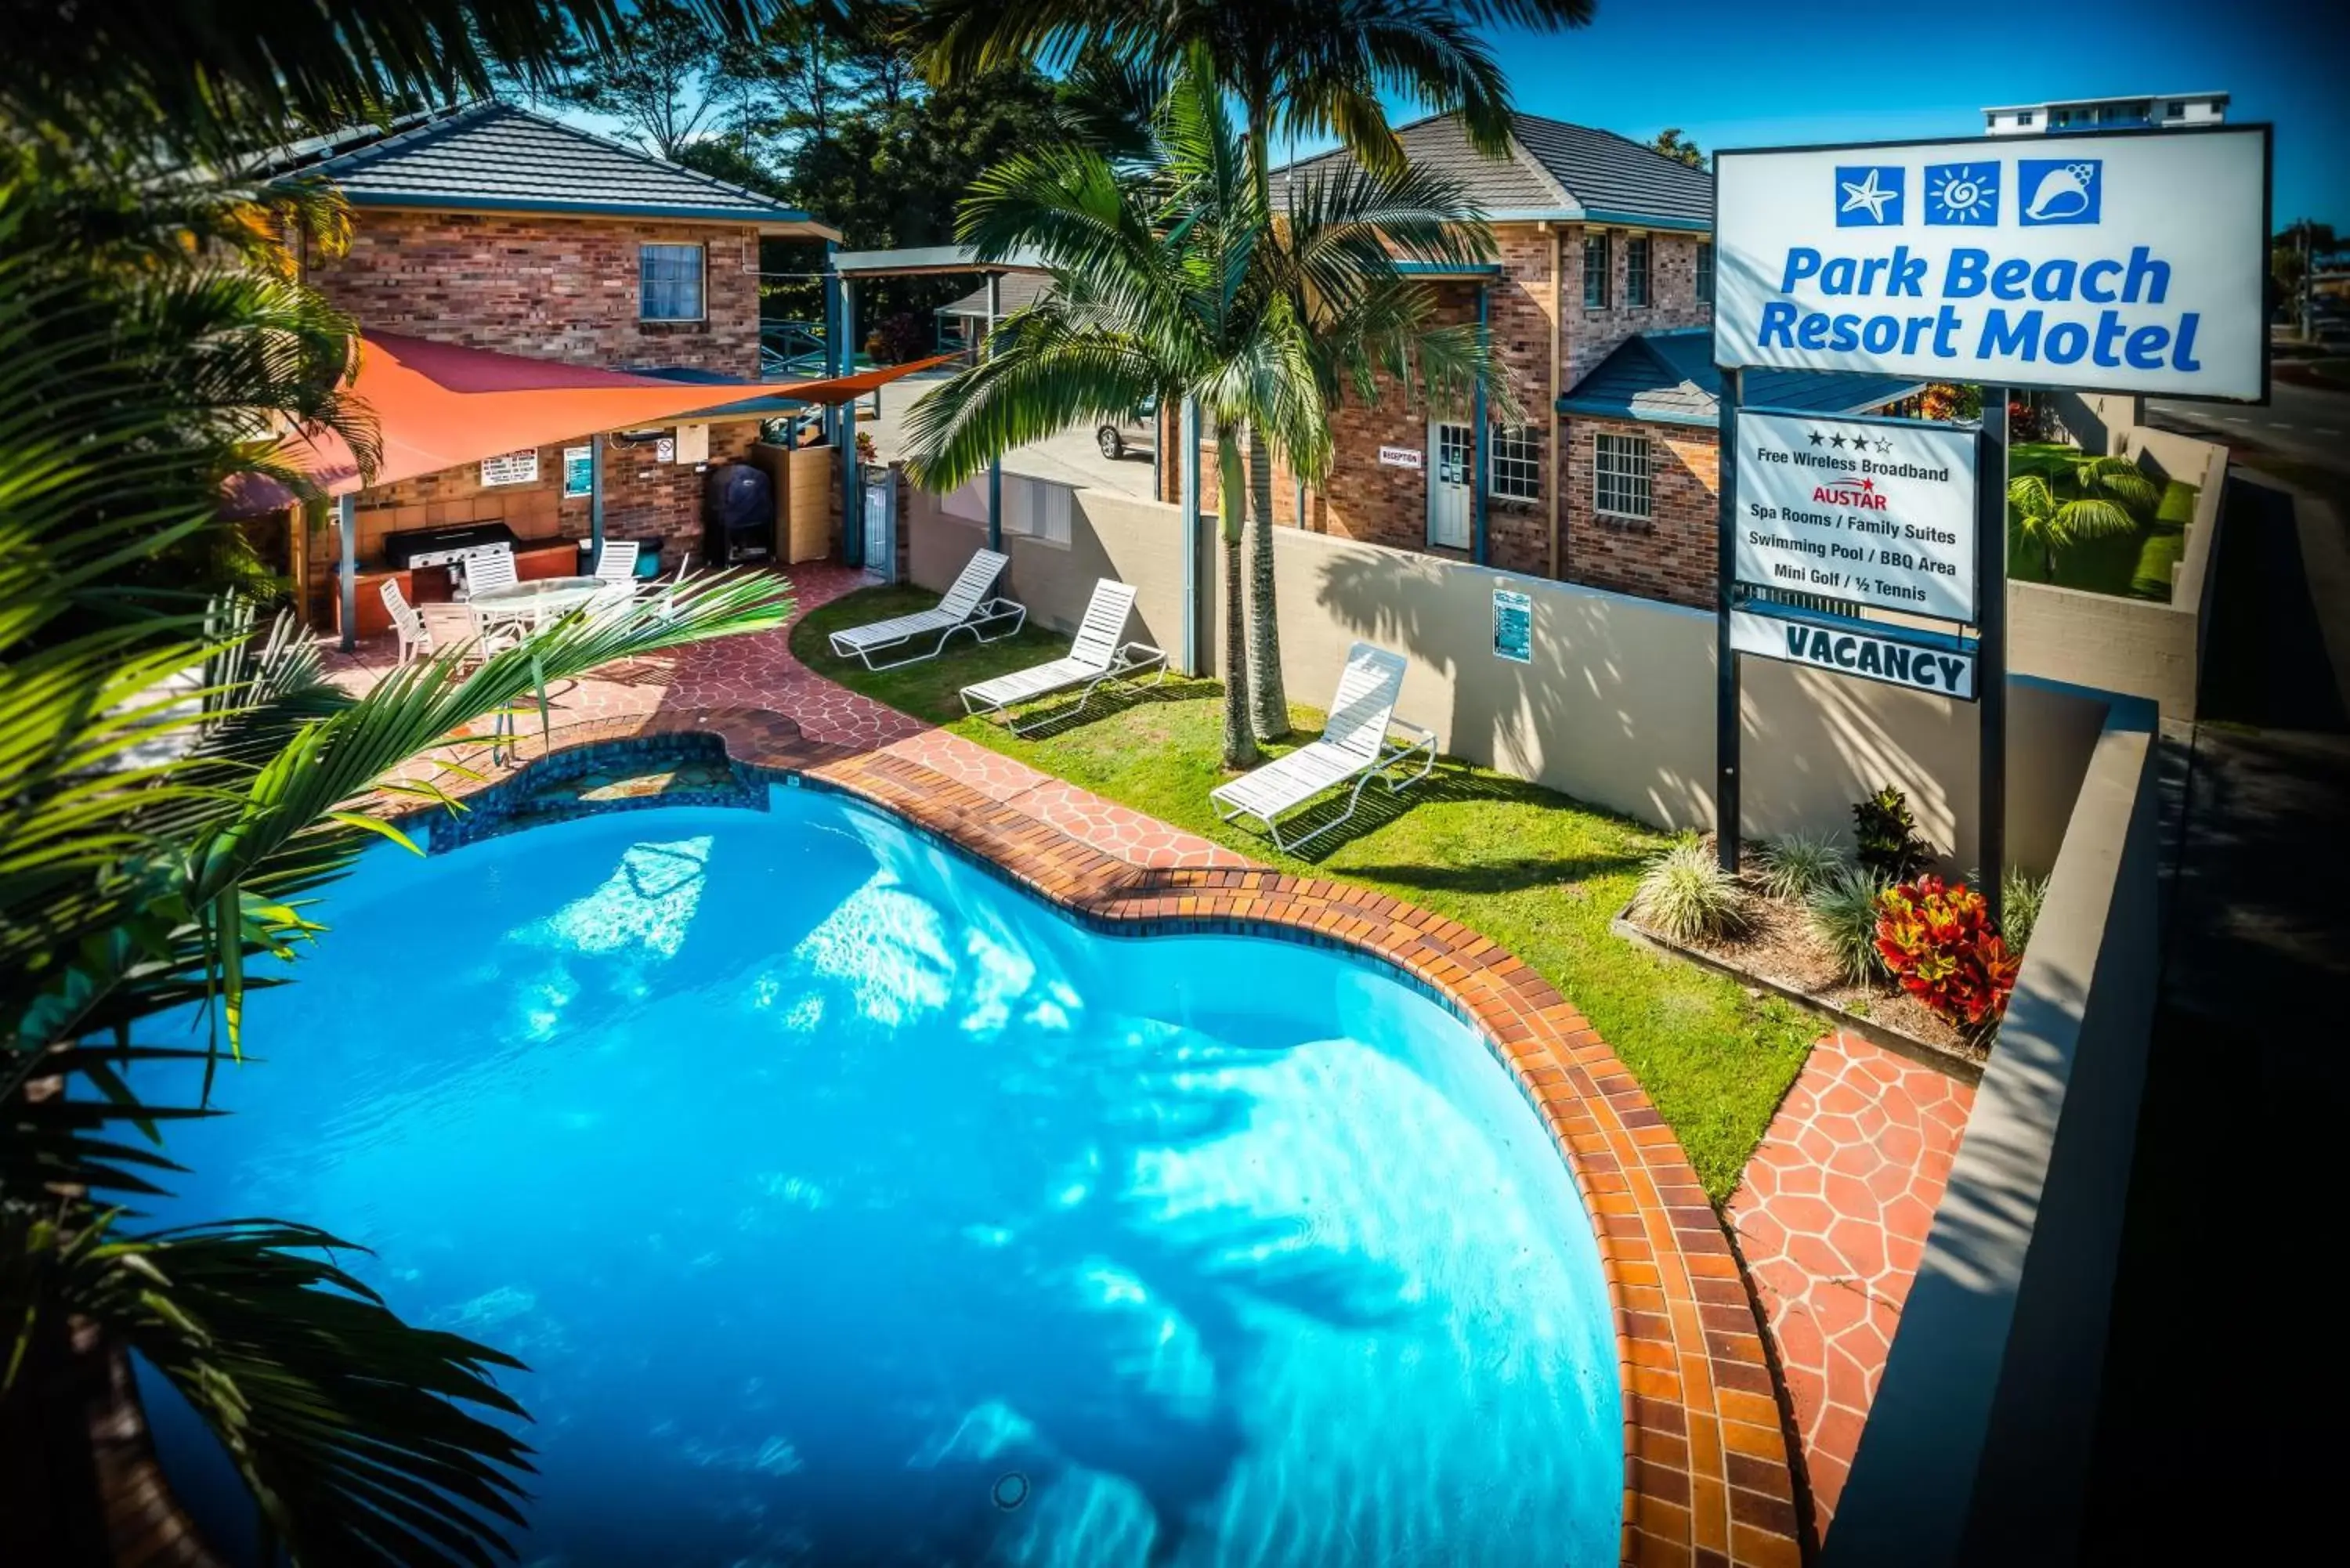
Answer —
1707 1477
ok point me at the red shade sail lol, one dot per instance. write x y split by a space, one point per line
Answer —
440 405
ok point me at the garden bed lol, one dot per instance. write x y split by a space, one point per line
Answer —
1780 955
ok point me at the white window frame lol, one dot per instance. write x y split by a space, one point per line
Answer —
1639 282
1622 470
1599 237
1514 475
700 285
1704 265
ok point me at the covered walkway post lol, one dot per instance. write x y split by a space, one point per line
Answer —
346 524
995 463
852 533
1191 438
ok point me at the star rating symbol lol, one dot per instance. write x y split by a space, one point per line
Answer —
1836 442
1869 193
1883 447
1817 438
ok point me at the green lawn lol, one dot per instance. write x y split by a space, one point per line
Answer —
1533 870
2127 566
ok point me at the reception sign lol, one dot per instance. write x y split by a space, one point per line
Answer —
1872 512
2129 262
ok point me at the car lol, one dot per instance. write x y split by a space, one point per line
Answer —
1138 432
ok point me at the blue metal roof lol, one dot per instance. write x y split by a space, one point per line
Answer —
496 156
1669 378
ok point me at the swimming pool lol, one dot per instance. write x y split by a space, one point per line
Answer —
851 1205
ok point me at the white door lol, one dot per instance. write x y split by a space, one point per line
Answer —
1451 471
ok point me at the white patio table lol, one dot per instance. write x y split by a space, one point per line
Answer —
537 602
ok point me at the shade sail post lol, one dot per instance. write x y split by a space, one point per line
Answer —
852 521
596 496
346 524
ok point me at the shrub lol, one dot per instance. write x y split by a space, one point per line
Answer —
898 339
2020 897
1794 864
1843 914
2024 421
1885 836
1939 942
1686 895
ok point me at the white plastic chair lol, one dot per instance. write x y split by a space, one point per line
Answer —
616 563
1098 657
1353 745
965 607
406 623
493 570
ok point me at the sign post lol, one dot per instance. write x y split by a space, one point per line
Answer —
1991 642
1726 716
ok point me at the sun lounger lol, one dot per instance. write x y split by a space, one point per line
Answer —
1354 746
1097 657
965 607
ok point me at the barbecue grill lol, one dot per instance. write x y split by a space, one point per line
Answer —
449 545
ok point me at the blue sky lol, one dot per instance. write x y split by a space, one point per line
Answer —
1795 72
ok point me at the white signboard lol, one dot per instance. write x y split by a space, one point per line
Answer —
665 449
511 468
1944 671
2121 262
1876 511
1400 456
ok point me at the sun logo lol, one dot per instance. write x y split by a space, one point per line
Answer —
1962 193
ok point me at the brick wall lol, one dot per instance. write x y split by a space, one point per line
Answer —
549 288
1590 335
1670 554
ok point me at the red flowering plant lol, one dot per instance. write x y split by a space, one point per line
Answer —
1940 943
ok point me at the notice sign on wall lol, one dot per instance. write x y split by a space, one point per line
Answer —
1514 625
2123 262
578 471
1400 456
511 468
1941 671
1875 511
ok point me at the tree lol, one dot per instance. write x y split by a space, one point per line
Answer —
1671 143
658 76
1164 285
2087 498
1298 68
160 338
789 80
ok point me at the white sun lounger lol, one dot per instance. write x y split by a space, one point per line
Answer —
1097 657
1353 745
965 607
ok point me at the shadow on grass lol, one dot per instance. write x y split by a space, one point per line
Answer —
1074 711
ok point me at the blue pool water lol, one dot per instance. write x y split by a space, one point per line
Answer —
851 1207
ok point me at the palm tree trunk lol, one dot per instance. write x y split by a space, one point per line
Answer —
1268 701
1240 737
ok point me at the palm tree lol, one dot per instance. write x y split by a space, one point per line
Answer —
174 786
1165 284
2087 497
1298 68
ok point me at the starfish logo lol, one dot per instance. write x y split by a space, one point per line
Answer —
1869 195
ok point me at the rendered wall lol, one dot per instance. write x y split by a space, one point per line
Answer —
1618 706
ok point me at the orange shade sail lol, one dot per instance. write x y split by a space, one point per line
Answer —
442 405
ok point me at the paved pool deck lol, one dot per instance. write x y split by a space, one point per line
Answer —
1828 1223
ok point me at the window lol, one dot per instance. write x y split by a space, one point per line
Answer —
2024 119
1705 271
1635 271
1516 471
1619 476
1595 269
669 283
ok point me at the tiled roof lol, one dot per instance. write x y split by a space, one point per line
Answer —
1557 169
498 157
1021 290
1669 378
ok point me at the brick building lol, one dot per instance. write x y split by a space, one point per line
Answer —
1599 304
493 228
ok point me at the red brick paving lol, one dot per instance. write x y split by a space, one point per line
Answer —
1831 1217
